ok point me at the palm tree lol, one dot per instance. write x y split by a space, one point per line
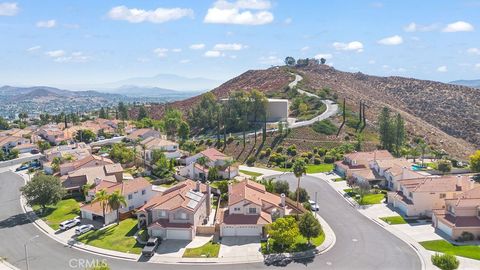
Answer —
102 198
202 161
116 201
144 149
85 189
423 148
299 169
228 164
414 152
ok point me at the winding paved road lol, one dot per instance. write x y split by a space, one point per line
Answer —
360 244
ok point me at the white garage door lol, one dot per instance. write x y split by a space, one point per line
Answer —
444 228
179 234
403 208
157 233
242 230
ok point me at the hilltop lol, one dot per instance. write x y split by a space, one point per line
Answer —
447 116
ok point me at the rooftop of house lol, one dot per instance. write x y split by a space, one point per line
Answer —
457 221
214 155
25 146
366 157
83 161
139 133
438 184
183 194
365 173
9 139
225 217
90 174
153 142
251 191
470 198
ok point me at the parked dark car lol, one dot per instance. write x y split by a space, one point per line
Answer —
151 246
34 151
23 167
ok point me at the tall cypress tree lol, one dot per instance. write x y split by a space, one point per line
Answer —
399 133
385 129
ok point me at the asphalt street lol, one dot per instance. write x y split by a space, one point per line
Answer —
360 243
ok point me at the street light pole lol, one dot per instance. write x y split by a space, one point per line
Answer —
26 251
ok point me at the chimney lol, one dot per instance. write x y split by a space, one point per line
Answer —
403 172
197 187
230 185
97 181
282 198
459 182
208 200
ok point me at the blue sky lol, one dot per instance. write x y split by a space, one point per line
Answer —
62 43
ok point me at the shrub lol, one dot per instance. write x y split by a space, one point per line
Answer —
279 149
263 154
466 236
315 150
329 159
309 154
445 261
201 142
209 142
268 151
322 151
230 139
288 164
317 161
292 150
251 160
307 160
324 127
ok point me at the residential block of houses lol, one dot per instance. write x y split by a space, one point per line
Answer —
8 143
176 212
143 133
53 134
86 162
215 158
137 192
150 144
461 214
75 180
395 169
419 197
358 161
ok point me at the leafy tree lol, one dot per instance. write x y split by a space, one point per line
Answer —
258 107
171 125
13 154
123 111
399 133
213 174
269 184
414 153
116 201
363 188
2 155
85 135
43 145
444 166
121 153
43 190
299 169
284 231
202 161
309 226
102 198
301 194
162 167
102 113
142 113
281 186
323 61
385 129
325 127
3 124
290 61
184 131
475 161
445 261
423 149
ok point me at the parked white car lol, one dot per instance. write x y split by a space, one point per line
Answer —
314 206
67 224
83 229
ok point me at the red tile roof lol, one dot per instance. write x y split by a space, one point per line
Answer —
214 155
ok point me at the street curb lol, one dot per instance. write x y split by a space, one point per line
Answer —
6 265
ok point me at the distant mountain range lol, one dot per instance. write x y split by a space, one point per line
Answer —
146 91
469 83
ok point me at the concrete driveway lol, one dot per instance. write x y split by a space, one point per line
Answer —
240 247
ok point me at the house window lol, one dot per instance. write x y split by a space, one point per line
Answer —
252 210
130 208
236 209
143 192
163 213
443 195
130 196
182 216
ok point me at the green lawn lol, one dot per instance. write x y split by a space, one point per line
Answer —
393 220
311 168
117 237
209 250
255 174
367 199
299 245
338 179
56 214
472 252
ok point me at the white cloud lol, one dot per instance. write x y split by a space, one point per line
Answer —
323 55
270 60
229 47
304 49
474 51
246 12
288 21
56 53
371 62
393 40
176 50
160 52
143 59
8 9
351 46
34 48
414 27
477 66
213 54
199 46
159 15
442 69
46 24
459 26
184 61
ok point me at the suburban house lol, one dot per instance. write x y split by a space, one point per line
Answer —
358 161
86 162
137 192
76 150
143 133
460 215
16 132
169 148
250 208
395 169
53 134
215 158
418 197
9 142
75 180
176 212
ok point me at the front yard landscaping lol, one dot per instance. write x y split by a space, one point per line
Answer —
311 168
394 220
301 244
253 174
116 237
472 252
209 250
371 198
56 214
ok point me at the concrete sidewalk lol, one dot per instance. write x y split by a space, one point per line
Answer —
4 265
